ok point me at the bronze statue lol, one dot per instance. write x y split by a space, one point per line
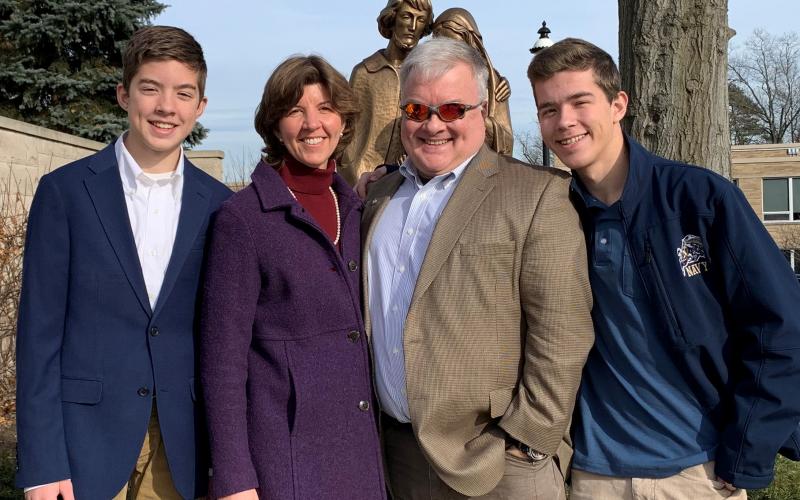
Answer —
459 24
376 82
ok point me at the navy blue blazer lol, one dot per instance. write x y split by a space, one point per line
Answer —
91 353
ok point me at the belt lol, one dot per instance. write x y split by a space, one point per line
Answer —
392 423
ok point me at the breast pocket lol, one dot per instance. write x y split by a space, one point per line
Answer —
493 259
662 295
488 249
631 279
485 270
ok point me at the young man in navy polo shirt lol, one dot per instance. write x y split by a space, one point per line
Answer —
690 390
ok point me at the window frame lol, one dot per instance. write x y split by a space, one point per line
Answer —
793 256
789 214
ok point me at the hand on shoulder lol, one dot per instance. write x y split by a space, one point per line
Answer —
368 178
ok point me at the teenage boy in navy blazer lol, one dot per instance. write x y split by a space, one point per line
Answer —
691 388
105 347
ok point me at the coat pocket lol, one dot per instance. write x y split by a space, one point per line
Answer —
662 298
87 392
500 400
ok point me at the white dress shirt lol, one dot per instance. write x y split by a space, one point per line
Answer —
394 259
154 206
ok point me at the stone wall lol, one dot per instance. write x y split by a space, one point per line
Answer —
27 152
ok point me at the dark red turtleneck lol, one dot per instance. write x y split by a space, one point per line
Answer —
311 188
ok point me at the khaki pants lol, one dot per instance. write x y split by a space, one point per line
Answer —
150 479
693 483
412 478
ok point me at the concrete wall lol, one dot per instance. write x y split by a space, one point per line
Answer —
28 151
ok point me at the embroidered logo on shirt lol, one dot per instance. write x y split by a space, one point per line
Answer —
692 256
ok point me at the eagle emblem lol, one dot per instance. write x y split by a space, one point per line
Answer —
692 256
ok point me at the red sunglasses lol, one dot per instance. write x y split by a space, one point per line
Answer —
446 112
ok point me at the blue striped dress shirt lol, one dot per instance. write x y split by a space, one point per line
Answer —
395 257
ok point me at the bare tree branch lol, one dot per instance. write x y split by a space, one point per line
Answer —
767 71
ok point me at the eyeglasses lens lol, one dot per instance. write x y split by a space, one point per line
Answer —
451 111
447 112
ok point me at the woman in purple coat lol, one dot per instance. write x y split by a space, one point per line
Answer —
284 362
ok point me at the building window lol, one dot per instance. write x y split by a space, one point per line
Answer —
782 199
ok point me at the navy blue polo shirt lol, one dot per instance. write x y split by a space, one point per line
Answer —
635 415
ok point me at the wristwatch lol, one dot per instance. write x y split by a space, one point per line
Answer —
530 452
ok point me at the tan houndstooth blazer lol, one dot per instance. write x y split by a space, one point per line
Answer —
499 325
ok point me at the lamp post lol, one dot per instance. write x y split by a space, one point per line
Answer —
542 43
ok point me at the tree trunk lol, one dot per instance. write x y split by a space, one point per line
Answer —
674 63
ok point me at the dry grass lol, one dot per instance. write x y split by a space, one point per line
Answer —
13 221
14 199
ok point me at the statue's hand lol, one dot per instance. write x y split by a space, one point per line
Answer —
503 91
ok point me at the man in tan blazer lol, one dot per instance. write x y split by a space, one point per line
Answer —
477 296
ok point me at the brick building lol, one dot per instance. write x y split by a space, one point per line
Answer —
769 176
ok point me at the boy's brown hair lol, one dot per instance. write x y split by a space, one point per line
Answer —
163 43
285 88
573 54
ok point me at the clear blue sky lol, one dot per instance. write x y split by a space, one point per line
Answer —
245 39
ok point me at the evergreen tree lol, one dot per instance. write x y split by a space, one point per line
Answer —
745 127
61 60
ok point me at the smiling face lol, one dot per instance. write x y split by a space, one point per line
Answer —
436 147
163 103
311 129
578 122
409 23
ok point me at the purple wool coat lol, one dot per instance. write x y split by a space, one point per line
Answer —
284 363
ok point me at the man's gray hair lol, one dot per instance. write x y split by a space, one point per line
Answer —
430 60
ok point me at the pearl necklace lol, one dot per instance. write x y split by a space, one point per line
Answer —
336 205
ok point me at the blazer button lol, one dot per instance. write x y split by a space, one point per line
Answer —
352 265
353 336
154 331
363 405
143 391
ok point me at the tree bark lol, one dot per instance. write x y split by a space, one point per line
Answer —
674 63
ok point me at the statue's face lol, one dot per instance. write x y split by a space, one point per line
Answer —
409 23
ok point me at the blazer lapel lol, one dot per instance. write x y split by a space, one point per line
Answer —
473 188
377 199
194 212
105 190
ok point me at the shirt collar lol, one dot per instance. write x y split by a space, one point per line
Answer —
584 194
131 172
442 181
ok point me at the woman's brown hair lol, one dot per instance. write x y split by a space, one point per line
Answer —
285 88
